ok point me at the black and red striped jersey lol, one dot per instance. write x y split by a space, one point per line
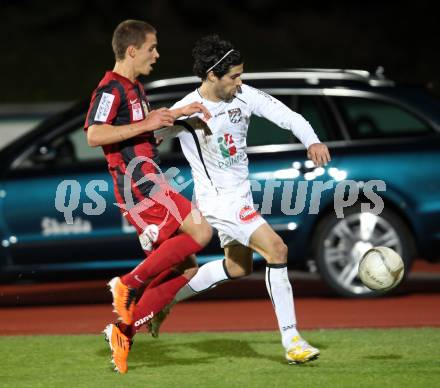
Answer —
118 101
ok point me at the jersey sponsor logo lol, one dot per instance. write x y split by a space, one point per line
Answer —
227 145
104 107
133 101
229 151
234 115
247 214
137 112
232 160
220 114
264 94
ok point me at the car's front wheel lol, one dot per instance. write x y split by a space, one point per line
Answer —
340 243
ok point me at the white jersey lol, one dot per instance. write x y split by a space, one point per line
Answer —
224 152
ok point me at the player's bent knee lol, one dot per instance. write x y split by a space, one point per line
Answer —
189 273
280 251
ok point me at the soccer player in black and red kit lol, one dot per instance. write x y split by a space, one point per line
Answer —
120 120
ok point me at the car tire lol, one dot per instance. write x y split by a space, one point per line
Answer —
338 246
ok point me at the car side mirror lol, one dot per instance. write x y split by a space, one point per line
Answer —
59 152
44 153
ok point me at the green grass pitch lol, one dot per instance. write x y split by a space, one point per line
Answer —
349 358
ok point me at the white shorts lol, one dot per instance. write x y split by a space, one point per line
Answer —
233 215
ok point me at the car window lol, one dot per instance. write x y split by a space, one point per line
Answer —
62 150
72 147
366 118
82 152
262 131
13 128
314 111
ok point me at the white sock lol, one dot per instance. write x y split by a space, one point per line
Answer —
280 292
207 277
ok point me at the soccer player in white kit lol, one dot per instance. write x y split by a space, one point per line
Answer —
222 187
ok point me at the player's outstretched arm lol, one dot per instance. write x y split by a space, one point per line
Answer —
267 106
104 134
190 109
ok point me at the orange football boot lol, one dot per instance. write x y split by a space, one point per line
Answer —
124 299
120 345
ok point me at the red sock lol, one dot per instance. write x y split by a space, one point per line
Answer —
171 252
162 277
154 300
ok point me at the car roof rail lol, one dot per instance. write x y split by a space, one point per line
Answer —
315 75
354 72
310 75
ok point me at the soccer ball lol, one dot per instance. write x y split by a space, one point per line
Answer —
381 268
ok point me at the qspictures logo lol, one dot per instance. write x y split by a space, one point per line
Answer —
293 197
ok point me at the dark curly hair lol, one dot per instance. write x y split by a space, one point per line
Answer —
208 51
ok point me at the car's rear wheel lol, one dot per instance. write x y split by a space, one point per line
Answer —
340 243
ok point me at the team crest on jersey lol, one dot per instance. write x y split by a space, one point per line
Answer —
235 115
247 214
